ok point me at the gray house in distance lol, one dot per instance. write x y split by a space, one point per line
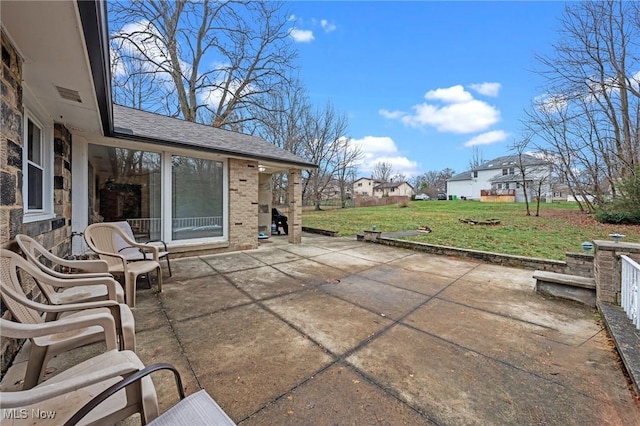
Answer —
500 179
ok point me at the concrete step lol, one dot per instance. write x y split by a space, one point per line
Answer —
572 287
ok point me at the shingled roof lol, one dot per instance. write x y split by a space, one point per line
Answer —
134 124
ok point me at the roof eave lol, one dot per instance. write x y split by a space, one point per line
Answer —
93 15
229 153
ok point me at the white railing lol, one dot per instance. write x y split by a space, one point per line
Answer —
152 226
629 288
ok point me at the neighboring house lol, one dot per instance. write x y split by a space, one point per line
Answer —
364 186
69 157
502 177
376 188
387 189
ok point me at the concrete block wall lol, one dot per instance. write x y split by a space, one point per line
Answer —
607 268
580 264
243 204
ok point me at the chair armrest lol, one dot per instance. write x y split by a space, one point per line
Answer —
47 391
107 281
164 245
111 390
57 308
87 266
146 248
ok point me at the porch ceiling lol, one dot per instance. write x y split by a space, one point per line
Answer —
48 35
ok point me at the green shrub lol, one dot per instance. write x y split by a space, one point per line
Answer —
618 217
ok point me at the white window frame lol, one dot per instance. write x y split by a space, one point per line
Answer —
166 187
46 148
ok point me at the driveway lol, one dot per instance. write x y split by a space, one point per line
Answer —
336 331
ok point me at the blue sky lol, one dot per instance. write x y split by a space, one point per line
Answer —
422 82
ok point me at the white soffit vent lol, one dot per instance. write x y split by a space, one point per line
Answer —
68 94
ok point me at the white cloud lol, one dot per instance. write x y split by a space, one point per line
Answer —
383 149
327 26
453 110
465 117
487 89
487 138
301 36
450 95
390 114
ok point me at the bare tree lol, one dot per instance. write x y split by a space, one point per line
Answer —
280 121
208 60
520 147
324 143
590 116
432 182
382 171
476 158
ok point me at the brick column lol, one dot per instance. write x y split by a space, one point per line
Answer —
607 268
294 194
243 204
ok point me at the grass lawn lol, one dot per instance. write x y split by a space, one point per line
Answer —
560 228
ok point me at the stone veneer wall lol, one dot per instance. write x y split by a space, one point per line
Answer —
608 268
243 204
53 233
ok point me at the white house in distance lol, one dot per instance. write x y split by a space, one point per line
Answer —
376 188
500 179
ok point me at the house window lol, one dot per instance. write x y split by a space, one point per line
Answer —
512 171
505 172
475 173
162 196
197 200
359 183
37 170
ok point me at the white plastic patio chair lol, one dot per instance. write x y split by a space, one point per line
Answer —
66 392
27 311
134 253
103 238
94 284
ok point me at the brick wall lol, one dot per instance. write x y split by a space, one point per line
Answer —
243 204
294 210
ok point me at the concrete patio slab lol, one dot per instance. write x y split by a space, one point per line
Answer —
273 255
265 282
201 296
246 357
455 385
363 338
377 297
189 268
230 262
429 284
334 324
438 265
320 401
377 253
345 262
310 271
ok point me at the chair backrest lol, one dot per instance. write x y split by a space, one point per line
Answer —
13 268
34 253
109 237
